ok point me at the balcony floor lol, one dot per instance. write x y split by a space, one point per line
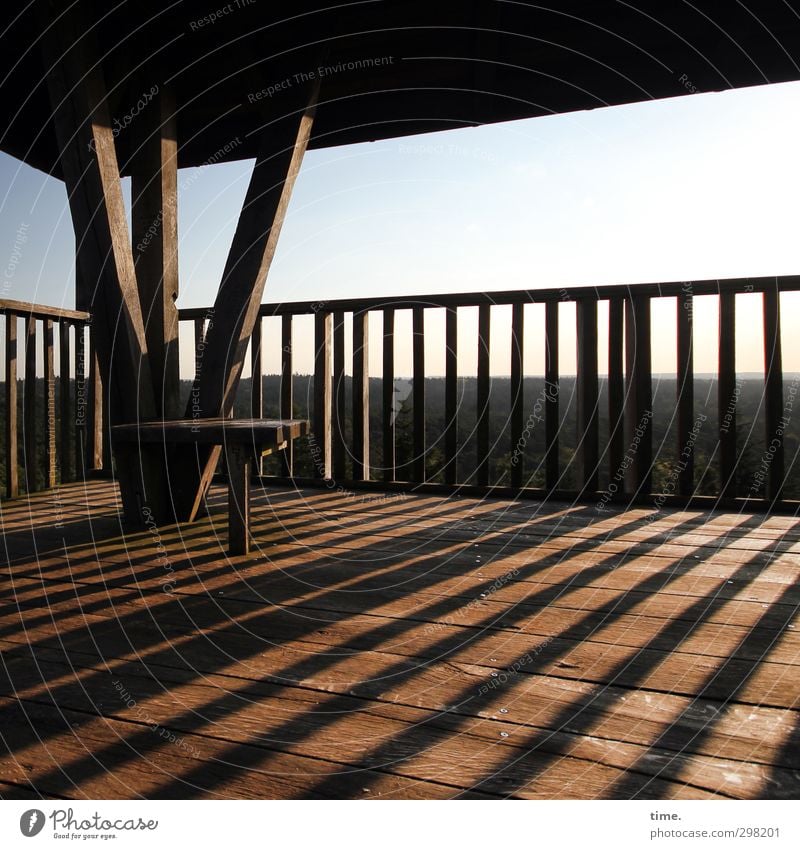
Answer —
398 646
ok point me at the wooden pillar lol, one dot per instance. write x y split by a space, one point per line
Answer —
154 214
90 171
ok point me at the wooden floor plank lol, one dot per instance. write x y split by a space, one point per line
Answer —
414 647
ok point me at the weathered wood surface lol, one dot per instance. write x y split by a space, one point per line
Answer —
213 431
413 648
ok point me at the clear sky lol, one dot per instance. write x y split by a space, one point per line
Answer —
701 186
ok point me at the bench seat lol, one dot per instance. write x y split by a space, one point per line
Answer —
242 440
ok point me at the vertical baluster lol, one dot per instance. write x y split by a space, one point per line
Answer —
482 424
389 407
551 387
361 468
338 435
773 389
287 390
418 319
257 370
728 394
65 401
99 453
50 403
451 396
616 393
588 432
685 397
80 402
12 451
199 340
321 443
257 383
639 406
29 406
517 393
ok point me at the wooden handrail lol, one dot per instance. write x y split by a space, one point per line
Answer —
738 285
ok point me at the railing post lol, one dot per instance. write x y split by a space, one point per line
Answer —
287 390
588 434
639 406
50 404
389 407
361 396
728 394
451 396
418 329
321 437
29 406
616 391
517 394
81 402
484 387
685 391
773 390
12 452
338 436
551 391
65 399
256 383
99 452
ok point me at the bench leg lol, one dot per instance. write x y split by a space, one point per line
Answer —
238 460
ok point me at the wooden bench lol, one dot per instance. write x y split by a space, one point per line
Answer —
242 440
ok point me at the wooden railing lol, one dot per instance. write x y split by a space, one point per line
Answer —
621 468
53 423
600 441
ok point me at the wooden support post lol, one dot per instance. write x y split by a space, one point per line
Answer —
29 421
12 450
91 174
154 214
639 406
287 391
65 448
451 396
361 464
390 407
728 394
238 461
484 388
239 298
50 459
685 391
517 401
616 393
418 389
551 390
321 443
773 390
338 435
587 389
